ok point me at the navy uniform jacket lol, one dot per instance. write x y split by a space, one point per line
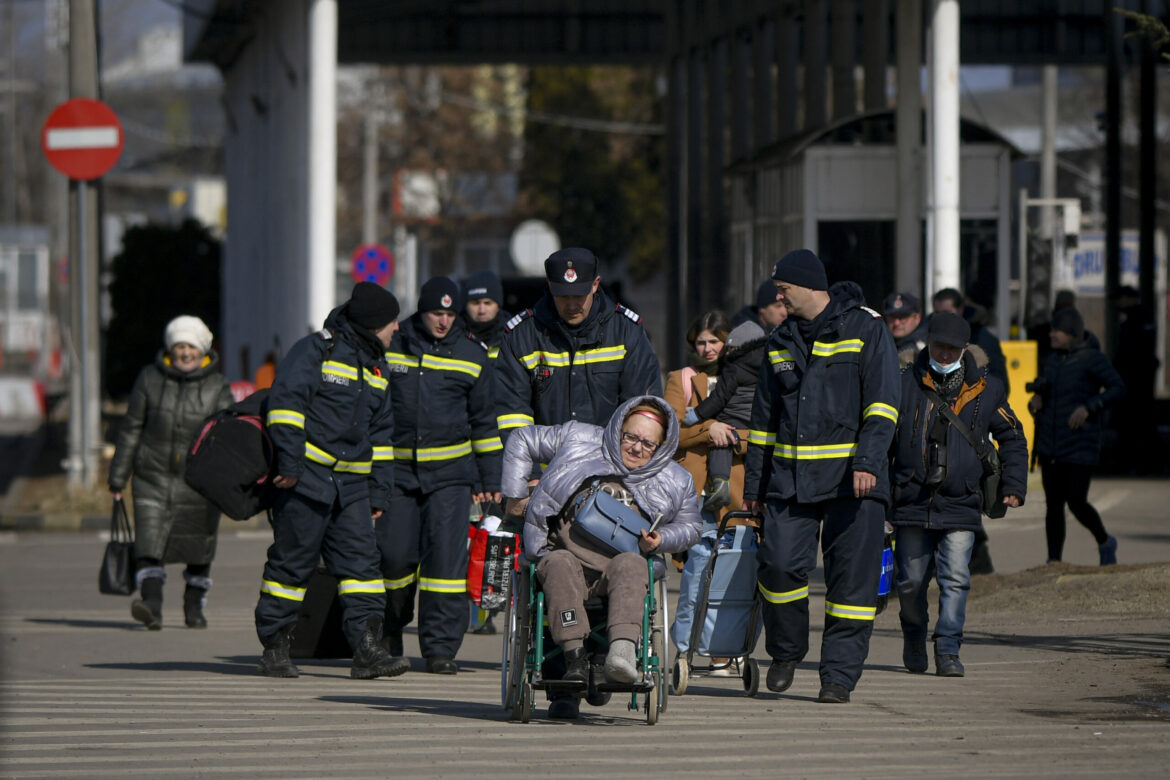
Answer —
444 411
330 418
826 409
549 373
957 503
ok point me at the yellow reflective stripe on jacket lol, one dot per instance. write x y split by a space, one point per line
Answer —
493 352
482 446
881 410
814 451
375 381
339 369
534 359
442 586
505 421
318 455
352 587
762 438
290 592
450 364
785 597
285 417
430 454
401 359
401 582
600 355
383 453
850 612
778 356
827 348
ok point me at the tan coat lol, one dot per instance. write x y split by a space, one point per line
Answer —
693 440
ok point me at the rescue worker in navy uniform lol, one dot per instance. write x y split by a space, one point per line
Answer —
822 422
330 420
447 453
575 355
483 315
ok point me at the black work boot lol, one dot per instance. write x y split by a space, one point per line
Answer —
780 675
275 662
193 601
370 657
148 609
577 665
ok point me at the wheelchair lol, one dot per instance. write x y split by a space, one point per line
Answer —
527 646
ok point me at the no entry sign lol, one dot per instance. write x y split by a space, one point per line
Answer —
372 263
82 138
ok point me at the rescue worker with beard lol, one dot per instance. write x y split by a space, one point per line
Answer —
446 454
817 466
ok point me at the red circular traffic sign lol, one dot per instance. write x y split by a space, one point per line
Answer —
82 138
372 263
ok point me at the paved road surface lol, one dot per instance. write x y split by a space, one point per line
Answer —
85 692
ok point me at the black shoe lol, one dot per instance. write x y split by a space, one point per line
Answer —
193 607
718 494
577 665
393 644
275 662
371 659
564 709
914 656
832 693
780 675
441 664
948 666
148 609
488 627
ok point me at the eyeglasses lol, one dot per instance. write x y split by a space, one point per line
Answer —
631 439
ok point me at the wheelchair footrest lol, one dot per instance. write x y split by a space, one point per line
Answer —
638 687
560 685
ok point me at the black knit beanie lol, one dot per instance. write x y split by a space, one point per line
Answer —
483 284
802 268
371 306
438 293
1069 321
766 294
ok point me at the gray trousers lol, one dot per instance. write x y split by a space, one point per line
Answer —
567 585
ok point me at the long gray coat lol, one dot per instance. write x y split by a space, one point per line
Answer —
577 451
172 522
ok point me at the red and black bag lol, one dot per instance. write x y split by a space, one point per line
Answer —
232 460
491 560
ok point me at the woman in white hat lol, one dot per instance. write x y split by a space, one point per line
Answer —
173 523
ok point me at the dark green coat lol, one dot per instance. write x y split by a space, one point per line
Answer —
172 522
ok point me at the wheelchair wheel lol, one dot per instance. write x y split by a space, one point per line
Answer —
526 697
519 631
680 675
507 650
656 696
751 677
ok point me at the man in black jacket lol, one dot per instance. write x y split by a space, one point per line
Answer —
446 454
330 421
936 475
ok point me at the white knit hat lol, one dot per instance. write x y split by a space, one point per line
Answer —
186 329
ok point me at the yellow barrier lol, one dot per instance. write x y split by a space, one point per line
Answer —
1021 368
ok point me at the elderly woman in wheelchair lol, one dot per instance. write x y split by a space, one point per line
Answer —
586 544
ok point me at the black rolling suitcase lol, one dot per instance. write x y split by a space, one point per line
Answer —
318 633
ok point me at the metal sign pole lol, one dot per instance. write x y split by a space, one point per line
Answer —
82 331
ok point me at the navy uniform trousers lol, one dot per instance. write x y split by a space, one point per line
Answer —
303 532
422 538
851 543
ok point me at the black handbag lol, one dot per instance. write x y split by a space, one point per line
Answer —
991 483
116 576
613 526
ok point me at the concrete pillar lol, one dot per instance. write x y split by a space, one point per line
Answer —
874 48
944 121
322 216
908 121
1048 99
844 87
815 48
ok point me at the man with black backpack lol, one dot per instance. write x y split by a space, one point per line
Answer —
330 419
950 403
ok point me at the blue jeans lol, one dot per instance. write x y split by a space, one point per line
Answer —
919 554
689 582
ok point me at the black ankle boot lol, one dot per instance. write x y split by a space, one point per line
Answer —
193 599
275 662
148 609
577 665
370 657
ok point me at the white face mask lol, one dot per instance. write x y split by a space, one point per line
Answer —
947 369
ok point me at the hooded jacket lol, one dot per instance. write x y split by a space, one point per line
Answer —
550 373
1078 376
824 409
957 502
330 418
739 366
444 417
173 523
577 452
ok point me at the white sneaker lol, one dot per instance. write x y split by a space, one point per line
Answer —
724 667
621 665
